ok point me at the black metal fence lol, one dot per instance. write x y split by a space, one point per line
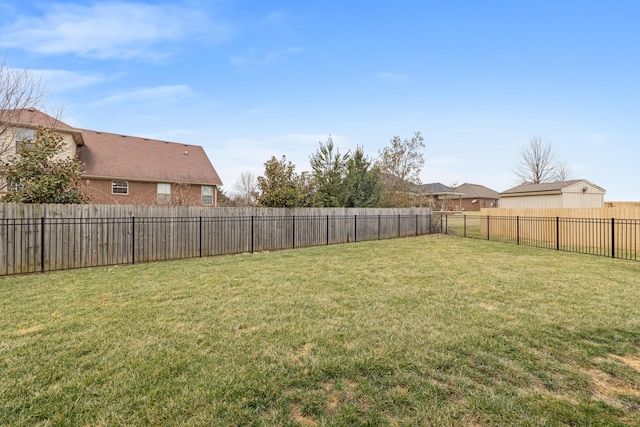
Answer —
48 244
611 237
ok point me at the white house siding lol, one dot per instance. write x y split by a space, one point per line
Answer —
549 201
579 200
578 195
582 195
8 148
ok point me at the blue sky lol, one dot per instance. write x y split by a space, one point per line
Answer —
248 80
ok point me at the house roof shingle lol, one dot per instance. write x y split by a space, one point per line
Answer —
108 155
435 188
33 117
112 156
546 186
476 191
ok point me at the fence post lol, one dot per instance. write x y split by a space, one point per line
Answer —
557 233
464 220
133 239
517 230
488 231
327 229
293 231
252 235
398 225
441 225
200 237
613 238
355 228
379 225
416 225
42 241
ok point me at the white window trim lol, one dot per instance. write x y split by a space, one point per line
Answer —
203 195
122 185
163 191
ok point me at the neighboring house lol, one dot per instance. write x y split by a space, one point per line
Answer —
444 198
476 197
20 125
578 193
122 169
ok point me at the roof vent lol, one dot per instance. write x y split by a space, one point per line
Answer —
186 153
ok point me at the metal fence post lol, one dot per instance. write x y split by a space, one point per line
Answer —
293 231
464 220
133 239
379 226
42 241
252 235
327 229
517 230
557 233
355 228
613 237
488 231
200 237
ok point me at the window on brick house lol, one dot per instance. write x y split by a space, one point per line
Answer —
164 194
206 192
119 187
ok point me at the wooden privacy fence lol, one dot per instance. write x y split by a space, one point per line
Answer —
612 237
43 244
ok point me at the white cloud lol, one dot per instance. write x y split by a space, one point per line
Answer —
110 30
276 19
254 58
61 80
160 94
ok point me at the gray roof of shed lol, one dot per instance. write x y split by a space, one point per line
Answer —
544 187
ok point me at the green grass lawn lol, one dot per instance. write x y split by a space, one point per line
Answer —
434 330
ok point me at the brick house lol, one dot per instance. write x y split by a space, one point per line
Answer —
444 198
121 169
475 197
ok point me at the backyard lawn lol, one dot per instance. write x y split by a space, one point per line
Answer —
435 330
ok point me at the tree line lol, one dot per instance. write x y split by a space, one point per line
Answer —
352 179
337 179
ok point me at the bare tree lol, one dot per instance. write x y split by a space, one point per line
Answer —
562 172
19 90
246 187
400 165
537 164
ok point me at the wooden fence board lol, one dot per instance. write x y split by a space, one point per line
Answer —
95 235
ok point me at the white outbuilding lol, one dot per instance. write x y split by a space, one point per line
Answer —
578 193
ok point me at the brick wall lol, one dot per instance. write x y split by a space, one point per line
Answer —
143 193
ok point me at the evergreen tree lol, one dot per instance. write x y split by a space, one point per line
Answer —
329 170
362 183
282 187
